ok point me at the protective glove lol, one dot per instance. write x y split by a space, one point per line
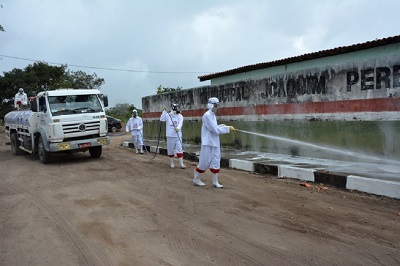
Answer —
232 128
176 129
126 132
137 129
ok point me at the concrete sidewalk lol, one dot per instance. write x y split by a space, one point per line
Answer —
382 178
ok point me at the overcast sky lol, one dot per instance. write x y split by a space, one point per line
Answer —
171 42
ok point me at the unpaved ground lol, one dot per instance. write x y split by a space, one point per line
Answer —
126 209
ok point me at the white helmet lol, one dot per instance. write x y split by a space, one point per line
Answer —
211 102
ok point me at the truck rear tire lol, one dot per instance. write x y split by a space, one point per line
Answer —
95 152
44 156
15 143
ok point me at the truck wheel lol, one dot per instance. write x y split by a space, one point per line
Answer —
114 129
95 152
15 143
44 156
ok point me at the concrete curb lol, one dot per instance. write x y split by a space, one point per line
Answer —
305 172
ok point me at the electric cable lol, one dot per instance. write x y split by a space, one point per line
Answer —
107 68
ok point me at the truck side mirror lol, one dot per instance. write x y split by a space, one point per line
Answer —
34 106
42 104
105 100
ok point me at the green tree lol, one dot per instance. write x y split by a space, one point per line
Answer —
80 79
162 89
123 111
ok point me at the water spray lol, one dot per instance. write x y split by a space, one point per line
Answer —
302 143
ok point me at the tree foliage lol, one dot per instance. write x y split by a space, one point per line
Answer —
80 79
123 111
39 77
162 89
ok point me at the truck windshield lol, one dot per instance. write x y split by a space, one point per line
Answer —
74 104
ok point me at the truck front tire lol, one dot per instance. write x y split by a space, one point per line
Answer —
44 156
95 152
15 143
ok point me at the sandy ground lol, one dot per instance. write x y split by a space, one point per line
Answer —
130 209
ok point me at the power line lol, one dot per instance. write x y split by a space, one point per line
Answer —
105 68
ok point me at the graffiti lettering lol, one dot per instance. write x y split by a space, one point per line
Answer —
233 92
352 78
299 86
320 83
374 78
226 93
396 76
382 76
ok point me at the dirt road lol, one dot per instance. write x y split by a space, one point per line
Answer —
126 209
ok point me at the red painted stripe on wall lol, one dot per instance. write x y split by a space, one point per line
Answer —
348 106
185 113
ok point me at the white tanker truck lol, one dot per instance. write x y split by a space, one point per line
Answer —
63 120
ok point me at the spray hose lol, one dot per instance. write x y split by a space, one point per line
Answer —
191 154
145 148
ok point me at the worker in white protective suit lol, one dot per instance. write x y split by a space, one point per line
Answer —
210 154
173 131
20 99
135 127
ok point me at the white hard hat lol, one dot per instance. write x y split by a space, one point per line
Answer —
134 111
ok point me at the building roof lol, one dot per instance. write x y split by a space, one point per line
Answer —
304 57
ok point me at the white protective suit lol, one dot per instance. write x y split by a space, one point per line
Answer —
20 99
135 127
173 121
210 154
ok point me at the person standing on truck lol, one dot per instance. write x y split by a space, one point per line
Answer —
210 153
135 127
173 126
20 99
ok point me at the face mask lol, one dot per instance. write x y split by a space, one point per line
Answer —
214 109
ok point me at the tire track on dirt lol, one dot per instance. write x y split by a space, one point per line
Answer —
323 251
259 255
260 252
89 251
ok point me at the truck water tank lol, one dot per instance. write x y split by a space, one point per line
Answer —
21 117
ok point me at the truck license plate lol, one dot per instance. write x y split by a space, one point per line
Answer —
84 145
102 141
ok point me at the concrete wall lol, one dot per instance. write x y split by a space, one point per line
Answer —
349 102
